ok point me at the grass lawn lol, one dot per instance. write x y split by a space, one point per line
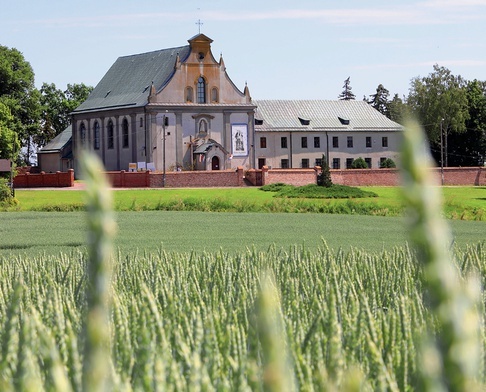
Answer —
466 203
34 233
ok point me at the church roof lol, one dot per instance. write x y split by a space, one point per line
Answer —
309 115
58 143
128 81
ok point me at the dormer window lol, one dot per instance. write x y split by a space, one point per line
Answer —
344 121
303 121
201 90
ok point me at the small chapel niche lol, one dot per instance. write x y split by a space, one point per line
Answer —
202 128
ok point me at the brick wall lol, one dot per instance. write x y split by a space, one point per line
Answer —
366 177
123 179
297 177
44 180
467 176
185 179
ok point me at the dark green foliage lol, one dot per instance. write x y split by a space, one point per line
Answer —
6 197
324 177
359 163
320 192
388 163
276 187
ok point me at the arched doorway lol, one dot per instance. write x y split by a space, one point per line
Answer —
215 163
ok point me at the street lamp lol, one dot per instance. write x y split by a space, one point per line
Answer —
165 121
441 153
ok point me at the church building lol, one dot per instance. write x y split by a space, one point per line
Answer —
177 109
172 109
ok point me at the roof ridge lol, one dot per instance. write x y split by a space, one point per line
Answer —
154 51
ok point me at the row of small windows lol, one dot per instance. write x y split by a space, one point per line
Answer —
201 93
110 135
336 162
317 142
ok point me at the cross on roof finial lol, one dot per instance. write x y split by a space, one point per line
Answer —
199 23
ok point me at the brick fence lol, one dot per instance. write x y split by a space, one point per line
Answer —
183 179
467 176
43 180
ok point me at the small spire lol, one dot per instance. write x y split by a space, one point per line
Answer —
178 61
246 91
153 93
221 62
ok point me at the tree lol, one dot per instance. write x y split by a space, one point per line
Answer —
18 93
9 144
439 101
469 148
347 93
324 177
397 109
379 100
56 108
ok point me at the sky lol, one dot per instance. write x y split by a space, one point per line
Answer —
281 49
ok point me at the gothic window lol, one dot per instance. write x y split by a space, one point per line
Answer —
111 139
82 134
96 136
201 90
189 94
214 95
125 137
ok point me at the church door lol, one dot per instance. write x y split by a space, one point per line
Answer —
215 163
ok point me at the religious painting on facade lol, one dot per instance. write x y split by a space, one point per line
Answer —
239 139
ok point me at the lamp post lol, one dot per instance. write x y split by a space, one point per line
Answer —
164 119
441 153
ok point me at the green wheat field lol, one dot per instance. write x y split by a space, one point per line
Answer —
146 299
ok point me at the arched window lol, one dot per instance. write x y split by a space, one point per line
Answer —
189 94
96 135
125 137
111 139
201 90
82 134
214 95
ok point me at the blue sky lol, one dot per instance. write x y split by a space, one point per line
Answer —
283 49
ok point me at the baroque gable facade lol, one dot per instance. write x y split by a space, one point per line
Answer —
167 110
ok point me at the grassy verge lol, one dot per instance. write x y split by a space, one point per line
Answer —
466 203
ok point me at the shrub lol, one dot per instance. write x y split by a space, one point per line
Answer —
276 187
319 192
388 163
324 177
6 197
359 163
